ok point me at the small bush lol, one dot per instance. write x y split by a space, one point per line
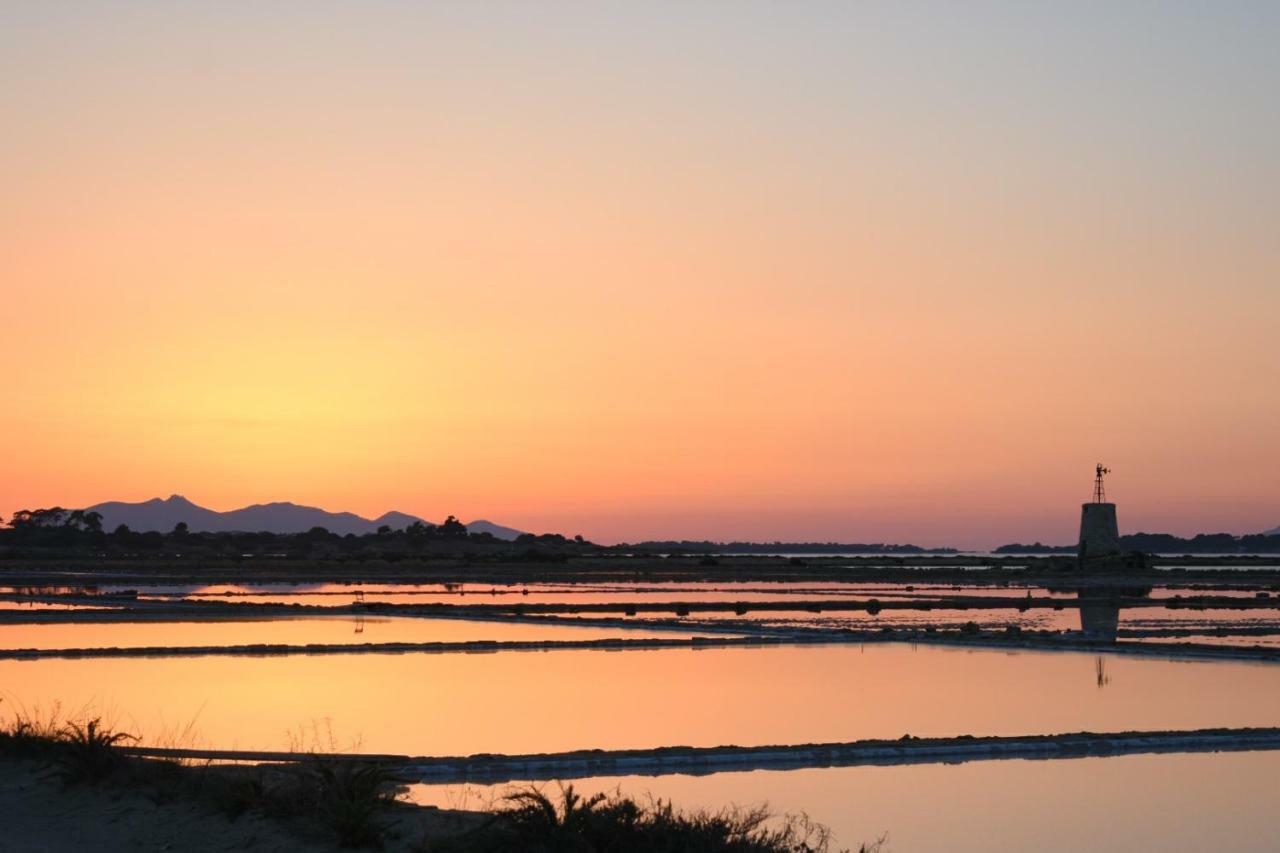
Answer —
89 753
79 752
234 795
31 734
352 796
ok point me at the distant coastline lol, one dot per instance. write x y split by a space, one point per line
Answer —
284 526
1165 543
686 546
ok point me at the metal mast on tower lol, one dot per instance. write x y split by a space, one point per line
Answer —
1100 493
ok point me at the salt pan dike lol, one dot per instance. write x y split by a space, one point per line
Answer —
515 703
488 768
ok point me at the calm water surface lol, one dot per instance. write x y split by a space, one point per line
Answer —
562 700
300 631
1169 803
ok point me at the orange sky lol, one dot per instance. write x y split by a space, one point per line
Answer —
713 272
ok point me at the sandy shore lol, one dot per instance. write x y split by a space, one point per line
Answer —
39 815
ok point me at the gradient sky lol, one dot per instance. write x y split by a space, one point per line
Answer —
856 271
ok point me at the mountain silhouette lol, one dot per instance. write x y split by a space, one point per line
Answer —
280 517
496 530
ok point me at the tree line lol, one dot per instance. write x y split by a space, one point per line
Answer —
80 530
1167 543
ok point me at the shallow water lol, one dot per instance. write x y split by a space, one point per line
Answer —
518 702
1160 617
1171 803
1043 618
300 631
333 594
1034 618
584 593
747 594
1267 641
598 593
50 605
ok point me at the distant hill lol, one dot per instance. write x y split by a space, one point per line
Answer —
1275 531
158 514
394 520
496 530
282 517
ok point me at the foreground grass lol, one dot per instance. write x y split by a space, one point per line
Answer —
351 803
530 820
348 800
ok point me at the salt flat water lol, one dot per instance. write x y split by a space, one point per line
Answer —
1183 803
516 702
1032 618
302 630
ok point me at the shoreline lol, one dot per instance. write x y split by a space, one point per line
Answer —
38 571
496 768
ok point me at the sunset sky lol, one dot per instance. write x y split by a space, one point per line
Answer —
837 271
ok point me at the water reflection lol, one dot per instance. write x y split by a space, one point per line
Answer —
1100 609
523 702
1171 803
1180 611
301 631
1100 619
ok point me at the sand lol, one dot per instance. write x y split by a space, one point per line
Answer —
39 815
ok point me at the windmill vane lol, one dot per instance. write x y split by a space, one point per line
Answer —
1099 492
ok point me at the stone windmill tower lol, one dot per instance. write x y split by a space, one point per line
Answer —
1099 533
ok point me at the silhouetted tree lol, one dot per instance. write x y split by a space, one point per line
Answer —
452 528
25 519
180 529
419 530
79 519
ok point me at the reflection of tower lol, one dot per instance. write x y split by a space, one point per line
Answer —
1099 533
1099 617
1100 671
